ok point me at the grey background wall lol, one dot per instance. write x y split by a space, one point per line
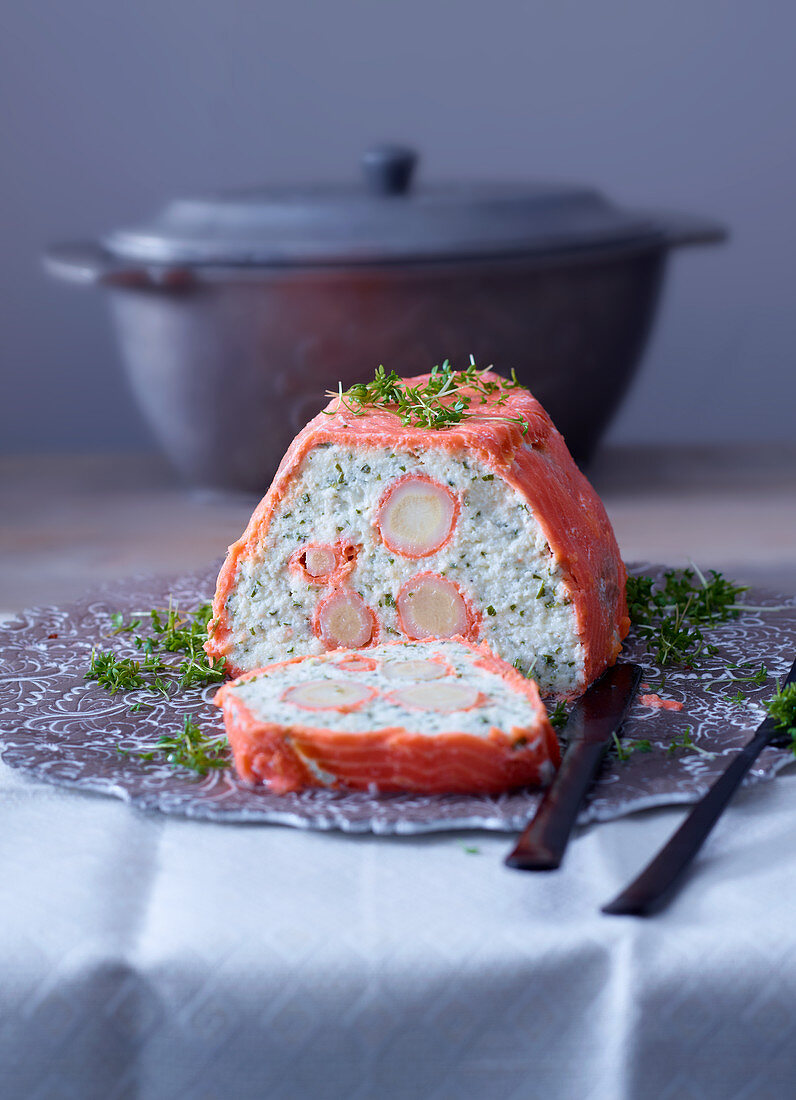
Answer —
108 108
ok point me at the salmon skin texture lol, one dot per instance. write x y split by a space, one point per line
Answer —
433 717
552 549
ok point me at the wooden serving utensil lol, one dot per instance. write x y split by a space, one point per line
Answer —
656 884
595 718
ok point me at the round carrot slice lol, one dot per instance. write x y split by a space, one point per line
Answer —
344 620
431 606
355 663
339 695
440 697
413 670
416 516
319 561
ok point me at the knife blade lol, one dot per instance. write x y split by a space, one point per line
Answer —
656 885
596 716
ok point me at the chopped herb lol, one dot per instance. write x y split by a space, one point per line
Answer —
488 477
490 610
192 749
389 600
119 626
782 707
115 673
366 469
624 749
442 402
170 633
688 745
471 849
669 615
558 717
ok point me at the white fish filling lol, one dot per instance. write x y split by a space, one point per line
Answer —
497 555
270 696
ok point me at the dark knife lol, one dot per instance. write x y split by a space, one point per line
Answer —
596 716
657 882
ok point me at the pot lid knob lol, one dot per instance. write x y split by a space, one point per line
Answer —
388 169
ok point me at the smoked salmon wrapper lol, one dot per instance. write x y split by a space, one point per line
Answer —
431 717
375 529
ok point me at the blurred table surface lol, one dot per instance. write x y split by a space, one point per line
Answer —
68 522
144 956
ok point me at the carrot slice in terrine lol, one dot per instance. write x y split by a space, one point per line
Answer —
376 529
436 717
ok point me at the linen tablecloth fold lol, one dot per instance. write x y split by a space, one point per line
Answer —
160 958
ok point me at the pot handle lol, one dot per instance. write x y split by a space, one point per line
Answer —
685 229
89 262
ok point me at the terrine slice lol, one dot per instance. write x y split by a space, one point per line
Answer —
434 717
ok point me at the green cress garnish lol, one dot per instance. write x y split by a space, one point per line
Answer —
190 748
444 401
687 744
670 616
624 749
169 632
782 707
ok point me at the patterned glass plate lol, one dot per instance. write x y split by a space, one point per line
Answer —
59 728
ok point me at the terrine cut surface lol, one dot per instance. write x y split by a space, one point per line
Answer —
375 531
433 716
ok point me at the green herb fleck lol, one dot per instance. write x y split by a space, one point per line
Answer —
558 716
782 708
442 402
669 615
624 749
191 749
687 744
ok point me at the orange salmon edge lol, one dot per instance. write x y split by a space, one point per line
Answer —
416 516
345 621
355 664
414 670
444 698
319 561
338 695
656 703
431 606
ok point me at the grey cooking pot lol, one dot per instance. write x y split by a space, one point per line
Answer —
236 312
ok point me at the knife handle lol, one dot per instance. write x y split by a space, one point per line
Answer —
657 882
655 885
541 847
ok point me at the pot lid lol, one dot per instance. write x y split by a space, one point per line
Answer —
384 219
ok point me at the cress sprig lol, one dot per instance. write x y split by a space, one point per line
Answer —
670 615
169 632
442 402
782 708
190 748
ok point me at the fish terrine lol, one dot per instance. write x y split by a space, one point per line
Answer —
433 717
379 528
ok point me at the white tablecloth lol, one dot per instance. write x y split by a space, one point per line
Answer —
145 956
